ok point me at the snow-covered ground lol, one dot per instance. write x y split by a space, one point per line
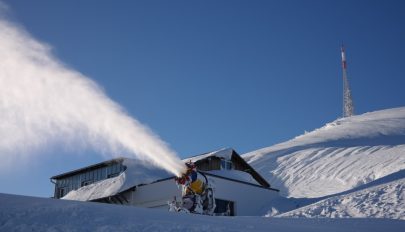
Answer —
18 213
382 201
341 156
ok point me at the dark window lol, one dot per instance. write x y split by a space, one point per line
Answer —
87 182
113 170
101 174
224 207
112 175
97 175
61 192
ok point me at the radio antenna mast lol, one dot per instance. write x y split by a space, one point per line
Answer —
348 108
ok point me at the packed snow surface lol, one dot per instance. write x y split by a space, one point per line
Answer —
342 155
18 213
382 201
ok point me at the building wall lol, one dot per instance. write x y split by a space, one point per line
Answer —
74 181
155 195
248 200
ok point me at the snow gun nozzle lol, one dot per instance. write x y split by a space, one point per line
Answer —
181 180
185 175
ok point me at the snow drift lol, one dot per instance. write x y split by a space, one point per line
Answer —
342 155
382 201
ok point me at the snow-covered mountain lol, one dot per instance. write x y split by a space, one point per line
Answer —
341 155
332 162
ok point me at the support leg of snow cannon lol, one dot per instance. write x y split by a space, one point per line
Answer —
198 207
207 196
189 203
173 205
209 201
176 206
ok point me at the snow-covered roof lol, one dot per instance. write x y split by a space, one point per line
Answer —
225 153
234 174
136 173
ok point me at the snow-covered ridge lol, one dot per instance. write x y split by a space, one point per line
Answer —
341 155
384 127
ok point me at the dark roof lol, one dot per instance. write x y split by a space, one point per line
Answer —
251 170
88 168
232 154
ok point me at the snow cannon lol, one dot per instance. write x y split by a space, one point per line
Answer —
197 192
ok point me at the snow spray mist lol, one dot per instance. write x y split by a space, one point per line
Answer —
43 102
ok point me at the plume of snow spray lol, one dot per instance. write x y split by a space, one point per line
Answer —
42 102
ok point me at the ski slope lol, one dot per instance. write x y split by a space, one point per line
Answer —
382 201
18 213
340 156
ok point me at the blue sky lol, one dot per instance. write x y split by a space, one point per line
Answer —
210 74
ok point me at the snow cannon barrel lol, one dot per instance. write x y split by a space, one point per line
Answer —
186 176
182 179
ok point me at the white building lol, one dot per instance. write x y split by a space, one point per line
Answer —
126 181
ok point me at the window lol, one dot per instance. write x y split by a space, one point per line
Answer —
224 207
76 182
97 175
112 175
62 183
114 170
226 164
82 177
101 173
87 182
61 192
